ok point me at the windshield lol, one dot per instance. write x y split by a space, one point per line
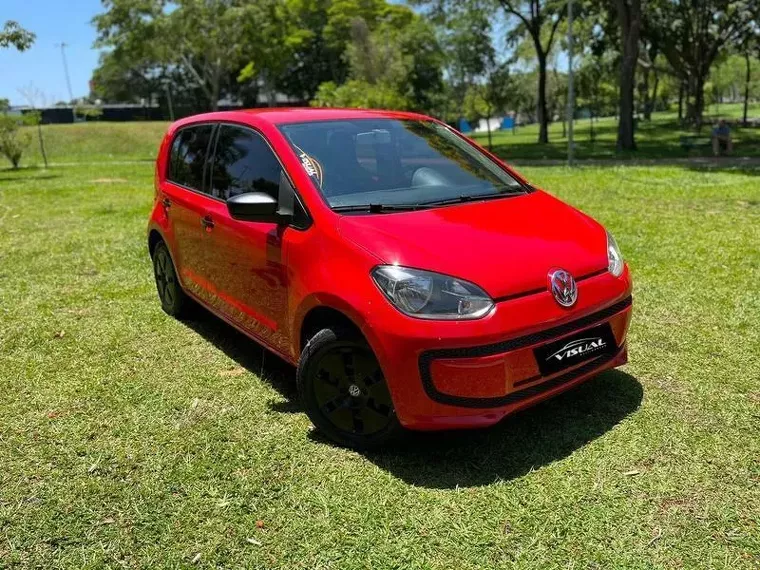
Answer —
395 163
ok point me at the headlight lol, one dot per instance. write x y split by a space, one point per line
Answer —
428 295
614 257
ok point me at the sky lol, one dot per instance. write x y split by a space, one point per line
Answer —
54 21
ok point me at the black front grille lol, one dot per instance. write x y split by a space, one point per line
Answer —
426 359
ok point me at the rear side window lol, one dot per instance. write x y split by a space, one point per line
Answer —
243 162
188 156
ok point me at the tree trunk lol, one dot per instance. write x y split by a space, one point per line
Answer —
688 116
629 15
488 127
746 88
699 101
543 119
647 100
215 80
44 154
650 101
680 101
653 100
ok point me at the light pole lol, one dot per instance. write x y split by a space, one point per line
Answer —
63 46
169 100
570 86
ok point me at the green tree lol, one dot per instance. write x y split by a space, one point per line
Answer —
693 34
13 35
466 40
750 45
630 20
359 94
538 21
13 141
205 43
398 61
136 56
485 99
315 56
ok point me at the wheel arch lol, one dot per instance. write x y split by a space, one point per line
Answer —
154 238
322 310
321 317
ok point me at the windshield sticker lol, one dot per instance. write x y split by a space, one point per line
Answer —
311 166
308 165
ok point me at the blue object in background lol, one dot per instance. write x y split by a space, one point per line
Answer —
464 126
507 123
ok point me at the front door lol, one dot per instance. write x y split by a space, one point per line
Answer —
246 259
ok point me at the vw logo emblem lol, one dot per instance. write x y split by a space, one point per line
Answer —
563 287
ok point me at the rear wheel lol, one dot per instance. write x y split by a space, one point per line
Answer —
344 390
173 299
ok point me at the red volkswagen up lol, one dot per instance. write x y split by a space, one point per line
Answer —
414 279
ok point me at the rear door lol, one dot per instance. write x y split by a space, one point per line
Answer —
186 201
246 265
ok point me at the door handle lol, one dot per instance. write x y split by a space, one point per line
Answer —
208 223
166 203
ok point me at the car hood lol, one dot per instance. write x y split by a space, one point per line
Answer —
506 246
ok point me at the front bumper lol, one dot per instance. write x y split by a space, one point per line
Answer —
471 374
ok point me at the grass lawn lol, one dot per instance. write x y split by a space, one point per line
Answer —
658 139
129 439
96 142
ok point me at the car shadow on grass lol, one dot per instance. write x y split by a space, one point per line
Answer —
520 443
250 355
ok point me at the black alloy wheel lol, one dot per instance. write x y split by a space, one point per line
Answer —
344 390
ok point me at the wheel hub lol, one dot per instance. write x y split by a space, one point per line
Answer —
351 392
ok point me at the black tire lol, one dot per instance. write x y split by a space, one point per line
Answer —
173 299
344 391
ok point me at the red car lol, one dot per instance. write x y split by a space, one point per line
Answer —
415 279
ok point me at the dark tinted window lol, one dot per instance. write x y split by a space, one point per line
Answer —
243 162
188 156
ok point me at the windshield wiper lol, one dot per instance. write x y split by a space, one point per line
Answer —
462 198
379 208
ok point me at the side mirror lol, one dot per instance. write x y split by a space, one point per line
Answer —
254 207
261 207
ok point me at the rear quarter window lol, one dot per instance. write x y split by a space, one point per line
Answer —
188 155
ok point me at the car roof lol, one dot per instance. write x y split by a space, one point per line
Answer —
282 115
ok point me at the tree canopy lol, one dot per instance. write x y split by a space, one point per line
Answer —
13 35
450 58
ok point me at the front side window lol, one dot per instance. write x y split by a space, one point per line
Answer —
243 162
188 156
395 162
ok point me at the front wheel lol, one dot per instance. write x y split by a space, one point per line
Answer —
344 391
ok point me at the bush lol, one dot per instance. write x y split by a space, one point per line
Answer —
13 142
356 93
88 113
